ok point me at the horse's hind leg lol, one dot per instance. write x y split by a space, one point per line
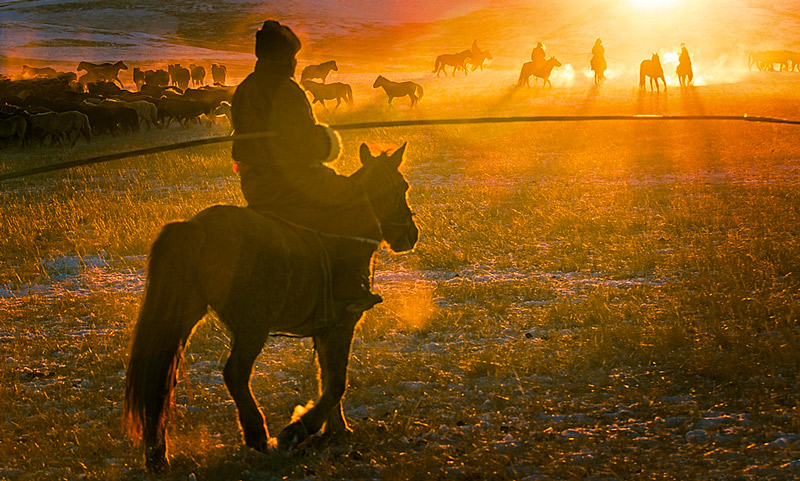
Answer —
333 356
237 374
333 351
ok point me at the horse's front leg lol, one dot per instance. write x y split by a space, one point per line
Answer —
237 374
333 351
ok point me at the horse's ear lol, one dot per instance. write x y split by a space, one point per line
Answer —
397 156
365 154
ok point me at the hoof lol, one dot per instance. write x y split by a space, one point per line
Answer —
261 446
340 431
291 436
156 459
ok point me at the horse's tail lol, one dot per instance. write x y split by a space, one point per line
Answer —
86 129
171 307
348 94
418 89
438 64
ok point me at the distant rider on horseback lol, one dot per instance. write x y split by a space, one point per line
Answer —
285 175
538 56
598 61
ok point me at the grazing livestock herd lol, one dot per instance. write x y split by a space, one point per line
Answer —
47 107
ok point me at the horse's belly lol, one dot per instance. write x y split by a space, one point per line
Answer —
257 270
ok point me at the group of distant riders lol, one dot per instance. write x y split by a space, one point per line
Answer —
598 61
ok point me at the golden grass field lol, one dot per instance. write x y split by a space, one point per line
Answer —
604 300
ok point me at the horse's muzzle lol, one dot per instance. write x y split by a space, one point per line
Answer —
407 240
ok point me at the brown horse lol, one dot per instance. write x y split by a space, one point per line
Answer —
13 128
138 78
542 71
320 71
480 59
102 72
38 72
598 65
333 91
179 76
399 89
455 60
219 73
198 73
685 73
766 60
261 275
651 68
61 127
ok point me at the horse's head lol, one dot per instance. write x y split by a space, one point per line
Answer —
121 65
554 62
387 189
333 66
378 81
655 58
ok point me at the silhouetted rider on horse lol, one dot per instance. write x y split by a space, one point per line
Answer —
286 175
598 61
538 56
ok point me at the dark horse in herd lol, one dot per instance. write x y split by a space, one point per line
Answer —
542 71
652 68
235 261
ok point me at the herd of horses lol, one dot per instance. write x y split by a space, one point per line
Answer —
173 93
765 60
322 91
465 60
47 107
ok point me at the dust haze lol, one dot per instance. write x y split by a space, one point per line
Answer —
402 36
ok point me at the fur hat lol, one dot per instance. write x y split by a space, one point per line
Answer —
276 41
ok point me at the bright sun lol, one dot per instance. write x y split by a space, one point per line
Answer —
653 4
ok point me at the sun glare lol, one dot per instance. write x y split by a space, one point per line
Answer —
653 4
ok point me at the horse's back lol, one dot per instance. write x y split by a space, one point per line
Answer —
319 70
232 224
251 260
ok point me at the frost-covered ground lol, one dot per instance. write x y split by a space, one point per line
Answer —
612 423
461 399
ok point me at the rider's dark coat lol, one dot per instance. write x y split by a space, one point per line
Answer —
285 174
